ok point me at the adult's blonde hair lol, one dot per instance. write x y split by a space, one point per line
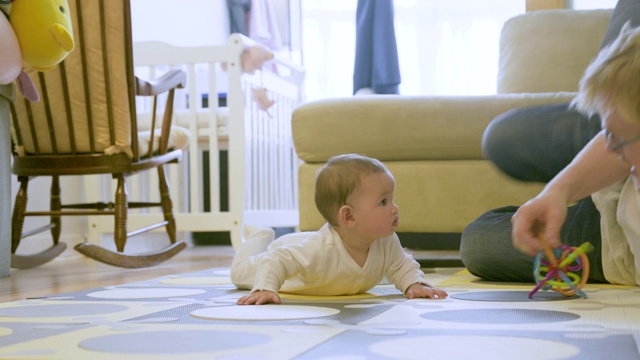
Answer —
338 178
612 80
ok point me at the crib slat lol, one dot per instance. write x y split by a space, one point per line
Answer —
214 148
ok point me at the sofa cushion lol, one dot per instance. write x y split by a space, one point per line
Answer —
625 10
433 196
399 127
178 139
548 50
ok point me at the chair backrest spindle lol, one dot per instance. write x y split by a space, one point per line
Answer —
47 109
67 105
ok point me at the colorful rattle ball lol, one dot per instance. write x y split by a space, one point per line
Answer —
557 269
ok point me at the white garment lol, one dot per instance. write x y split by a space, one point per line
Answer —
619 207
316 263
263 24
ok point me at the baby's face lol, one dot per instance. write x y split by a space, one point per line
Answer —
375 211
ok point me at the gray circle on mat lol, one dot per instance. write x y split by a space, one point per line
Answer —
511 296
174 342
60 310
500 316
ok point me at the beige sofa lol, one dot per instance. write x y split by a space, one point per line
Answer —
433 144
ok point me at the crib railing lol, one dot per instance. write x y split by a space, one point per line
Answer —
262 164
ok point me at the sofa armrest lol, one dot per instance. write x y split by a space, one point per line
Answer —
403 128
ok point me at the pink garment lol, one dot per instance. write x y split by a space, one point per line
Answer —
263 25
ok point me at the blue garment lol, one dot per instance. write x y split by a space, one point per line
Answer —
238 16
376 60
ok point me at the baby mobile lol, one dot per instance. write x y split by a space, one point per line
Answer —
253 58
558 269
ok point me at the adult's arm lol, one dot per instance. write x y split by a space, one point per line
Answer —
593 169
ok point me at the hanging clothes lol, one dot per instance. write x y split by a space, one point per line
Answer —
376 59
238 10
263 24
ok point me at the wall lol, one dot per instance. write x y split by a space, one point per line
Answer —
185 22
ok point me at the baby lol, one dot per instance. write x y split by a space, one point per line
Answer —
350 254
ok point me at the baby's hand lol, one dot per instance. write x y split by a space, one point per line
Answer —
259 297
419 290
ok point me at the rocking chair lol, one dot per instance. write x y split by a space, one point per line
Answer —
85 124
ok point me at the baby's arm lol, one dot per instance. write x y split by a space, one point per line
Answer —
419 290
259 297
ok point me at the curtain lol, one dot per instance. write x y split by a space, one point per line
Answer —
445 47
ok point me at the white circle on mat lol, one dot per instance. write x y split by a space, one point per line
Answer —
197 280
264 312
490 347
144 293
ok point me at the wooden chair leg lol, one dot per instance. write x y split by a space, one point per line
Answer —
120 231
55 205
167 205
17 219
139 260
37 259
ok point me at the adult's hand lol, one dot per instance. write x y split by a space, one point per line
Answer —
543 214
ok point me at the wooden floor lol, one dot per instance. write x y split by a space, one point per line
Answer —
75 272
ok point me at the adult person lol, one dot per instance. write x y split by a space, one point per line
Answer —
562 146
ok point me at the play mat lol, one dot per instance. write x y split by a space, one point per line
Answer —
194 316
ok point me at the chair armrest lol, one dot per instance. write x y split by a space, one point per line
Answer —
172 79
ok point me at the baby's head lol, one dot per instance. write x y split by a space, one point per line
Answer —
339 178
611 82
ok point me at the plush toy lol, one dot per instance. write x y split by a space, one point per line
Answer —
10 56
254 57
259 95
44 32
40 36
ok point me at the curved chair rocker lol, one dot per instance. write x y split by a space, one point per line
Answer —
86 124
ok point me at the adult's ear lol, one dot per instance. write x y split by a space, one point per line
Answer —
346 217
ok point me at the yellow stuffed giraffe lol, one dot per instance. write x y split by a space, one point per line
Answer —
44 32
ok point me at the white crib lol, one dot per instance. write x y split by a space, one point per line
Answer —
262 163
